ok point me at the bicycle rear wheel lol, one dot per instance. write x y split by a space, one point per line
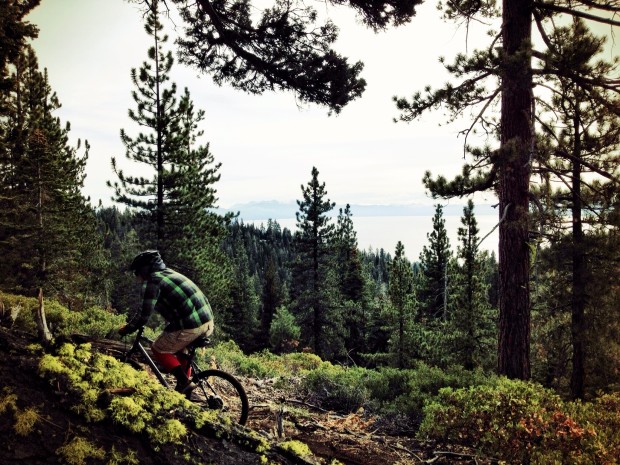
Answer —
222 391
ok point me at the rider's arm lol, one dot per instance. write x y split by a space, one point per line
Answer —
149 299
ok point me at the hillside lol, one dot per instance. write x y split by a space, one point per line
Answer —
39 425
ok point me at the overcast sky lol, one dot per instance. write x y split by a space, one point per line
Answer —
267 144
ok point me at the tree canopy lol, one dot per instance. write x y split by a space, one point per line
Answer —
285 46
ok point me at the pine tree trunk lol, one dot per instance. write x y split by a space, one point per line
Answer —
578 301
513 191
317 326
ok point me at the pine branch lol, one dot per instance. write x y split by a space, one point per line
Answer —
571 157
580 14
279 52
607 6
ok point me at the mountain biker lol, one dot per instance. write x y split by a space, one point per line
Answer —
182 304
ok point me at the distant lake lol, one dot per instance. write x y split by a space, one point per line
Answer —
384 232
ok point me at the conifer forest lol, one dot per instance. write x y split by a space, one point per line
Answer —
434 341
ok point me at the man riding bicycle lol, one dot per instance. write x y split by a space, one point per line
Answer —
182 304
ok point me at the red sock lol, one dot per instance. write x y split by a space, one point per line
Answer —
168 362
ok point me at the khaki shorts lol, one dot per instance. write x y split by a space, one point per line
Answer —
173 342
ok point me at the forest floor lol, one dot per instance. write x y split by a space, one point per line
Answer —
354 439
351 439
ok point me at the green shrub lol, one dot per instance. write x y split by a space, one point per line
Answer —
389 390
300 362
94 321
338 388
425 382
602 415
405 392
228 356
523 422
21 312
386 390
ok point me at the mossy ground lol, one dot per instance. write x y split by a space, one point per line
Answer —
41 423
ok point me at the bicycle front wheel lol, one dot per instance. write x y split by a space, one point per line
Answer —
219 390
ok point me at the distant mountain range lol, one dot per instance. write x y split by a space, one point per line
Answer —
272 209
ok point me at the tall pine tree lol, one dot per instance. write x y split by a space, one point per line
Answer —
434 262
314 290
47 228
578 154
473 321
402 298
355 300
157 110
505 74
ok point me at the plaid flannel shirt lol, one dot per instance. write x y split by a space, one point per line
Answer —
176 298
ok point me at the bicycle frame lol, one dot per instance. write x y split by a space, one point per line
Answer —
137 347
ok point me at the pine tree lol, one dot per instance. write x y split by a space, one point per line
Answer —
194 232
157 110
315 291
273 296
47 228
473 321
434 261
244 325
353 283
347 259
284 332
402 297
581 139
178 202
14 32
506 74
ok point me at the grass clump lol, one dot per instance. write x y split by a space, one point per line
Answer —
79 451
8 401
118 458
297 448
25 420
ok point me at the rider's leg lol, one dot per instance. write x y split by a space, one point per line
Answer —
171 364
168 344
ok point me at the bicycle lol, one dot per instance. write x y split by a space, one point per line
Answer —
216 389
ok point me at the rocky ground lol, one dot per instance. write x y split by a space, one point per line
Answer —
275 414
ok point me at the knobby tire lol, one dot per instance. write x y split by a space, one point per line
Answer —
228 388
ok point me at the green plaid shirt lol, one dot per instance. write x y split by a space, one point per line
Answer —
176 298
